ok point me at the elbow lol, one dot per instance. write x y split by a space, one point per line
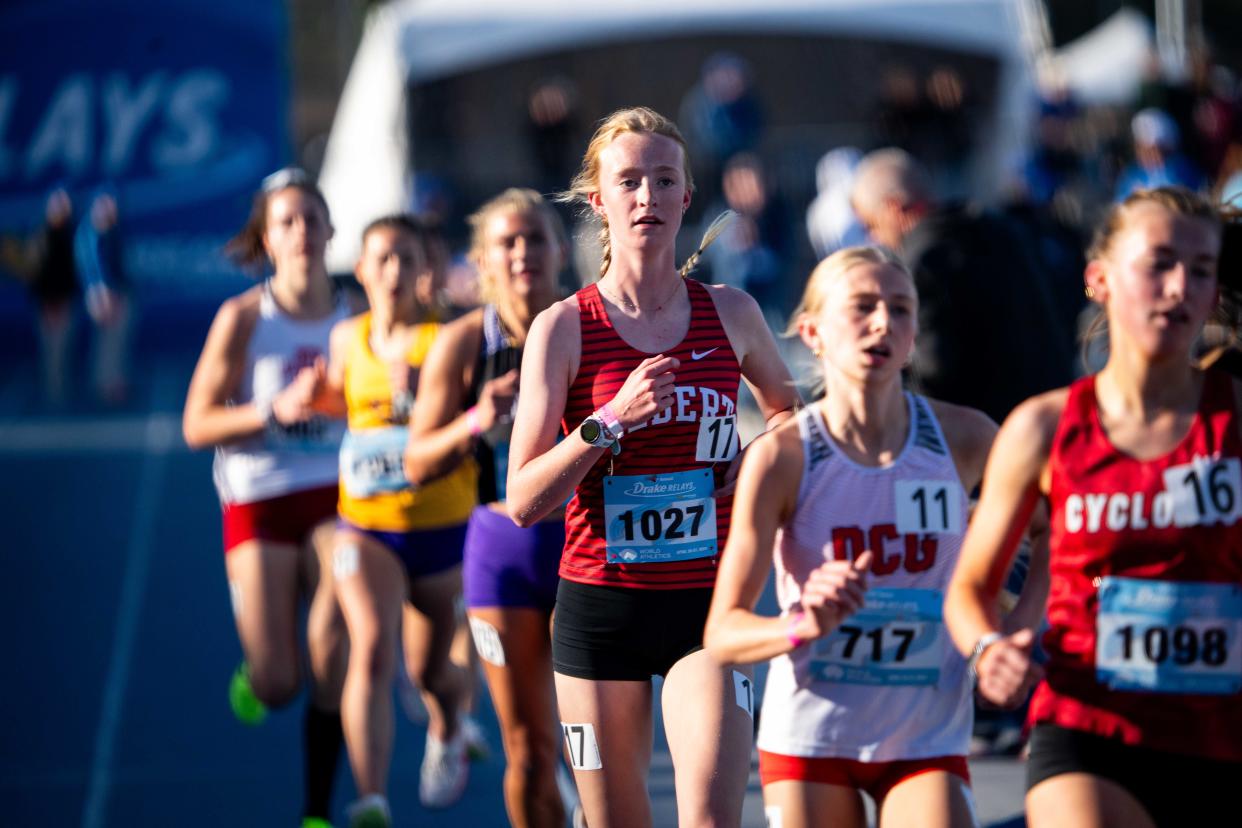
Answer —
524 518
521 510
714 644
417 473
193 434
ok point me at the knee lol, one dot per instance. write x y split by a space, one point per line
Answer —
372 657
437 678
274 685
529 756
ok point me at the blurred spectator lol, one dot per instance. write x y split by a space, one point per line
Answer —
753 252
47 263
1054 164
1157 162
1229 186
990 334
900 111
830 220
551 109
1216 116
98 254
721 116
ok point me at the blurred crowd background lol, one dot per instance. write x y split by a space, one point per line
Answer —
127 160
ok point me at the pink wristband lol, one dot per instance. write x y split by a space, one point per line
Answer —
794 621
472 421
610 421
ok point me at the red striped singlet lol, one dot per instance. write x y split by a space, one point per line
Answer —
1117 518
704 386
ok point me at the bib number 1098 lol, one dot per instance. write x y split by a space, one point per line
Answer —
1181 645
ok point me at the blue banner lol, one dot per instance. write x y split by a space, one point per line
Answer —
180 107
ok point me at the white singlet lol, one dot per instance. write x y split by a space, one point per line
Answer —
289 458
888 684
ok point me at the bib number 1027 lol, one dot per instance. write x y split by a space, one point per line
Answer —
672 523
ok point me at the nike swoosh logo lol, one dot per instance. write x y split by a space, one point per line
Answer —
696 355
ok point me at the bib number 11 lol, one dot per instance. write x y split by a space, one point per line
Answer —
928 506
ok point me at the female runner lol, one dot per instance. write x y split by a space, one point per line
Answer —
868 489
396 546
1137 720
253 397
641 369
465 398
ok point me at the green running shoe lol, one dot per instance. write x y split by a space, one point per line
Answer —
246 705
315 822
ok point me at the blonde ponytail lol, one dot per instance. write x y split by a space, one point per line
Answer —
718 226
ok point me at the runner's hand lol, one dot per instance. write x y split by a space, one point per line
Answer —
833 592
647 391
1005 670
295 402
496 400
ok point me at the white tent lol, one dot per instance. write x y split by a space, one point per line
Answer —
1105 66
364 172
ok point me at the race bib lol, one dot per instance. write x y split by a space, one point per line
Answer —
1205 491
718 440
371 461
1166 637
655 518
928 506
897 638
314 435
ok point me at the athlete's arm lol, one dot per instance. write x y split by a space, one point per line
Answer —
759 359
1028 611
970 434
543 472
1012 488
331 398
208 419
440 432
766 495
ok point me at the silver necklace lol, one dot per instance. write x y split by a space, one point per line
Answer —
630 306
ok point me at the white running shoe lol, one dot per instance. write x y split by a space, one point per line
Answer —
477 747
369 812
445 771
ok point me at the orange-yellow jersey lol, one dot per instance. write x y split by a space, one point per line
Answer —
374 491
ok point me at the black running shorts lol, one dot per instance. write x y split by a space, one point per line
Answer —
608 633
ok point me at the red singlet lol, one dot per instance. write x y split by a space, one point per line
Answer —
1117 520
706 384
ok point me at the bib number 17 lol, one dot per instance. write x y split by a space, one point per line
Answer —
717 439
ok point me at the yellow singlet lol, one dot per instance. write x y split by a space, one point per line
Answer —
374 494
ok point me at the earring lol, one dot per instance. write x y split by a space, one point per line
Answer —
1089 292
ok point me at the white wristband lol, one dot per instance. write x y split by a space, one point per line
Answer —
986 640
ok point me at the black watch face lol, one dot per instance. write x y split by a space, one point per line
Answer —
591 431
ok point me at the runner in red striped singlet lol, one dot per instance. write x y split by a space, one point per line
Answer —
1137 722
642 371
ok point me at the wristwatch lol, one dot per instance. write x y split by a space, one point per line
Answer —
594 433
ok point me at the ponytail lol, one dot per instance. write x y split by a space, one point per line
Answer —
718 226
